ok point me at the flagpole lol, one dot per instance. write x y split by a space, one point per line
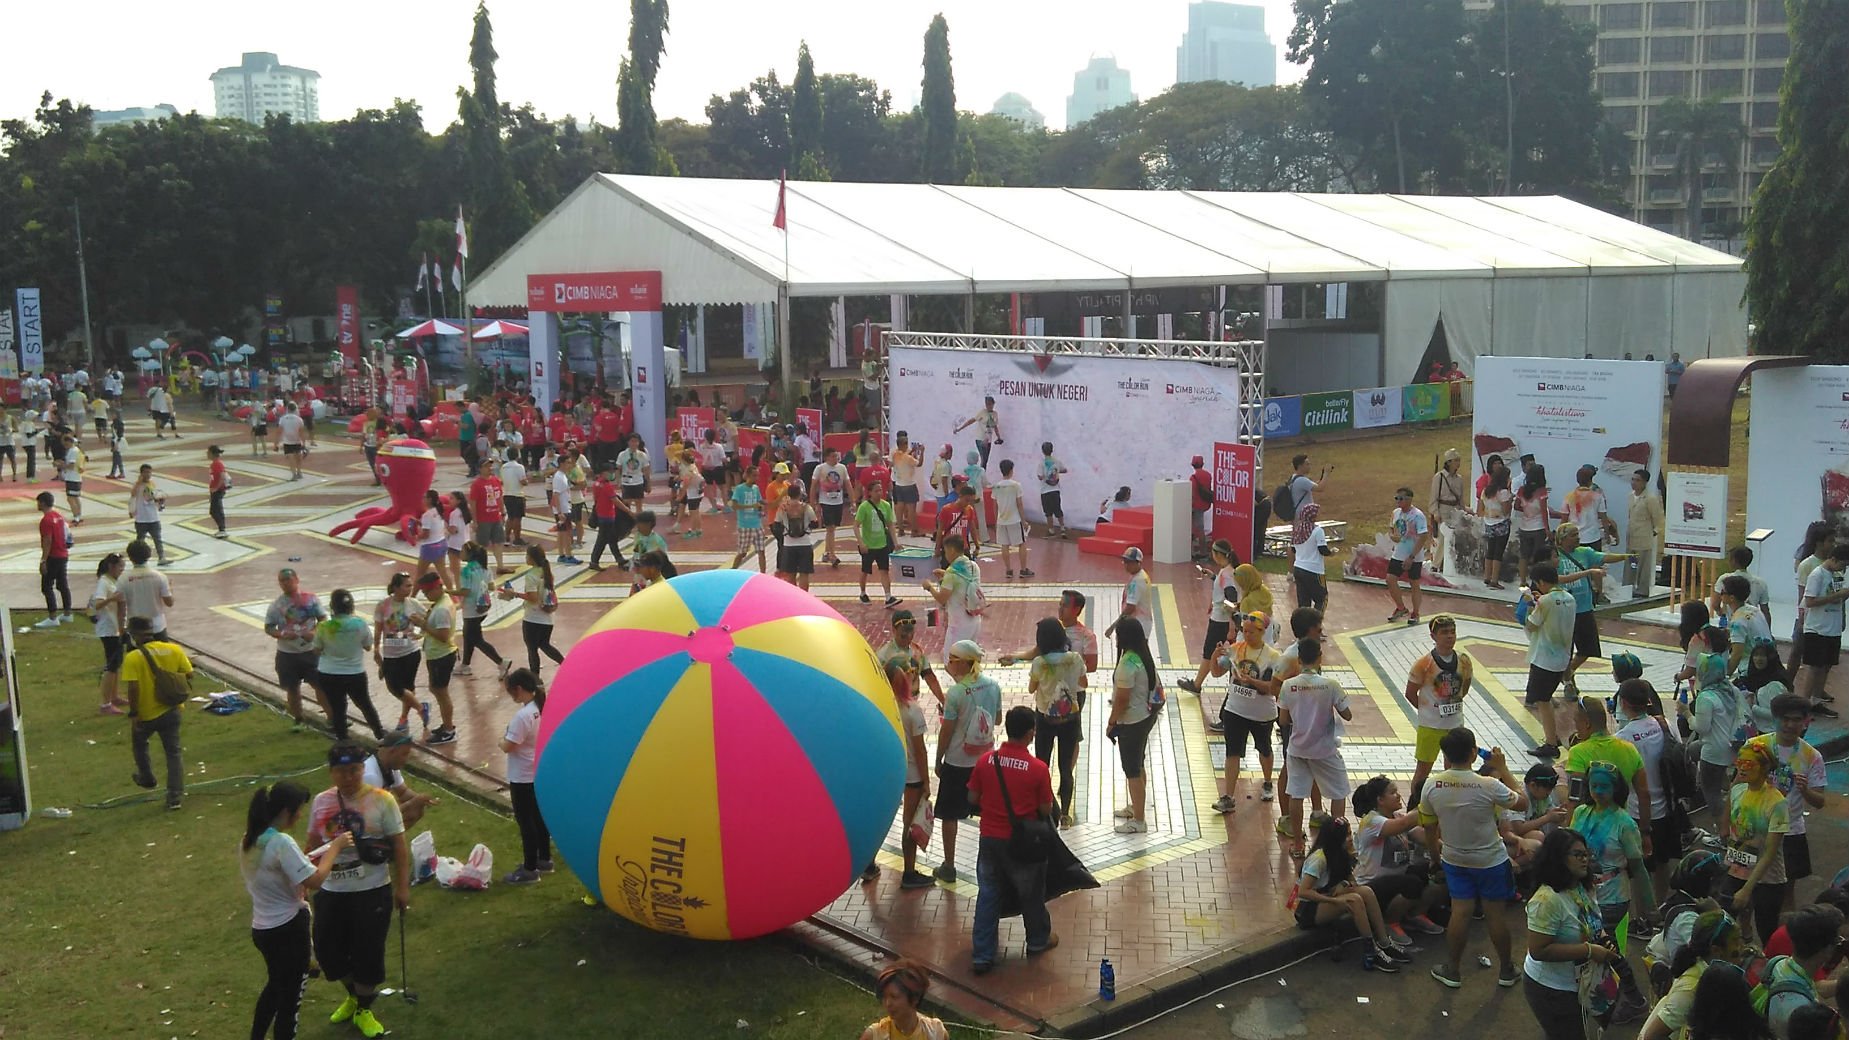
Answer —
783 310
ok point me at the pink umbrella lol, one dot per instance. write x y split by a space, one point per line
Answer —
430 328
497 329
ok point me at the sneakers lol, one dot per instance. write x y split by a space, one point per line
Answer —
1382 963
442 735
1446 979
1399 614
1124 813
1224 804
369 1026
545 866
520 876
1391 952
506 666
1545 751
1823 710
1424 925
1131 827
864 599
221 535
1189 685
1399 936
1509 976
345 1011
870 875
465 669
1052 940
1412 619
50 621
1267 792
914 879
1025 573
892 601
145 783
945 873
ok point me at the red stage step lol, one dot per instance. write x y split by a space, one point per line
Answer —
1129 534
1135 516
1102 546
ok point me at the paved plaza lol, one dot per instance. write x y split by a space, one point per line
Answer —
1197 889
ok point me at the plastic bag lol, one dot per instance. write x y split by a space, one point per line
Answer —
423 857
475 874
921 824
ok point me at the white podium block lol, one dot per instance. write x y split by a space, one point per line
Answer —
1173 516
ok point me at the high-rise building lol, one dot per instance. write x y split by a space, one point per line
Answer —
262 86
1226 42
1098 87
1732 51
1019 109
118 116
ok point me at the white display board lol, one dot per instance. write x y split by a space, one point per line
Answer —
1695 515
1797 466
1568 413
1113 421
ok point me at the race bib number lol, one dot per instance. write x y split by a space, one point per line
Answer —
1446 710
1741 858
1402 858
1245 691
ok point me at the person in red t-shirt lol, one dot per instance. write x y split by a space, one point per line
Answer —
217 483
558 424
1201 481
487 500
874 472
1007 784
958 517
626 416
532 438
54 560
606 434
610 514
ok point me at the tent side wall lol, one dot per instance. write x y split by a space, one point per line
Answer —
1413 309
1708 315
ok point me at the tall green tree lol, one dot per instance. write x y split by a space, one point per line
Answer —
1388 79
1538 96
636 144
937 109
1797 238
1705 137
806 159
495 203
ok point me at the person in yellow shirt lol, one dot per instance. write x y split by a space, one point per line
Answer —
148 717
438 624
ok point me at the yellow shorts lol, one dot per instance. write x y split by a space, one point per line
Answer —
1425 747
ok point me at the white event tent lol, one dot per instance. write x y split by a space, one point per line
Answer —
1506 275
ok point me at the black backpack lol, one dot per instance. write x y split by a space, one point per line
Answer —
1283 509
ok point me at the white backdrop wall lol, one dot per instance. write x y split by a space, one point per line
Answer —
1308 361
1113 421
1569 412
1797 467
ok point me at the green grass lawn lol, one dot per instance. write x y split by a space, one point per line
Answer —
131 921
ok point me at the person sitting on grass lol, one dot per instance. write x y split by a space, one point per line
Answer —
901 988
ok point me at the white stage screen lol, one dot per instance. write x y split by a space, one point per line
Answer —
1569 413
1797 468
1112 420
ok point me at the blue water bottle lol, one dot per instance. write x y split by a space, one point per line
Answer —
1107 980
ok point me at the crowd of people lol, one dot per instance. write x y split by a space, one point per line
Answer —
1592 843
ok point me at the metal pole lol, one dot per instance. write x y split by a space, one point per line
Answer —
1508 87
83 283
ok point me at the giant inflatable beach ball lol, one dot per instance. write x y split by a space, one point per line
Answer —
719 756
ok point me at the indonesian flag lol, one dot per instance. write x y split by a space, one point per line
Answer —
455 274
780 222
436 274
462 236
423 272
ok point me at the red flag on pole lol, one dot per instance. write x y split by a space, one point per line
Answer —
462 236
780 222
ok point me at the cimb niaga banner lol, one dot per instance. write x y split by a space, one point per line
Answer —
1235 478
1112 421
347 323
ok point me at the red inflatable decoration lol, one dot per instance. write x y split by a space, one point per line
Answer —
406 468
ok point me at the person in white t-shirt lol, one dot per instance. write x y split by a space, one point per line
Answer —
385 771
1824 593
1650 736
1010 528
289 428
1459 811
513 484
1308 705
1139 595
1309 549
275 874
520 742
831 483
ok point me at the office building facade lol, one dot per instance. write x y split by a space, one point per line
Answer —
263 86
1099 87
1226 42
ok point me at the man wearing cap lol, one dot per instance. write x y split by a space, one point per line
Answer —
903 647
1139 595
966 733
1446 504
1412 534
291 621
1200 483
438 623
1010 783
148 716
385 770
353 908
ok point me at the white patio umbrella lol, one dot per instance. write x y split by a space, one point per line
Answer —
432 327
497 329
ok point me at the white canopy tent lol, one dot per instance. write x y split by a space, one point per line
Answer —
1512 276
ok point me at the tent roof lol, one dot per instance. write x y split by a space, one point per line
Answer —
714 243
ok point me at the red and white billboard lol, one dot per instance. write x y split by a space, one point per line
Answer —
347 323
596 291
1235 483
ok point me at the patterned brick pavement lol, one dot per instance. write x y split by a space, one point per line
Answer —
1196 889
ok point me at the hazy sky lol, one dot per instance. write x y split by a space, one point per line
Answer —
562 55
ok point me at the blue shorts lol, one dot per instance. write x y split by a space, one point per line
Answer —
1495 883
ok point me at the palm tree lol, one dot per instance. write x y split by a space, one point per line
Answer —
1700 132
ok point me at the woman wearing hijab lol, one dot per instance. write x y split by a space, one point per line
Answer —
1713 719
1309 546
1255 598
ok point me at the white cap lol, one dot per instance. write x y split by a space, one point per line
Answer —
967 649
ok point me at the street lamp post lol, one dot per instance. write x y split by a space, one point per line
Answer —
83 283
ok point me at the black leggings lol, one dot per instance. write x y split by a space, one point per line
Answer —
472 640
1765 902
55 576
535 840
285 956
340 689
1132 742
1066 735
1388 887
538 636
1493 553
217 509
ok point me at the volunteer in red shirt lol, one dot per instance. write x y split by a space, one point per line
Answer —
217 483
1007 784
627 415
558 424
606 433
874 472
487 500
610 515
532 437
1201 481
54 560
